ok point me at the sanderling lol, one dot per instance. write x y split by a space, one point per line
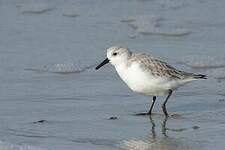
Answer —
147 75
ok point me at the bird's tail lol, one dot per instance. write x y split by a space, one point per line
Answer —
200 76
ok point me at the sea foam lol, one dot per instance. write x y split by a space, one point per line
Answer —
61 68
154 25
203 61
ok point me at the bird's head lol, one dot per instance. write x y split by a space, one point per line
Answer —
116 55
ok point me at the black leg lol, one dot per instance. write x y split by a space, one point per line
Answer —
164 104
150 111
153 102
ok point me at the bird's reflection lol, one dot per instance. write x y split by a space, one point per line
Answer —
164 128
153 127
158 139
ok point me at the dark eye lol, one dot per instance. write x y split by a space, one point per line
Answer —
114 54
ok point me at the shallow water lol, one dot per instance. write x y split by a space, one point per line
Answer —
52 98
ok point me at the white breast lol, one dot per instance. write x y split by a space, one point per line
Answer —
141 81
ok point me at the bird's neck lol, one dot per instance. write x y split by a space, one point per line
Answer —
121 66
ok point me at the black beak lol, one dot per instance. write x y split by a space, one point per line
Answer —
102 63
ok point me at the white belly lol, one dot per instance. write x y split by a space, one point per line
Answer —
142 82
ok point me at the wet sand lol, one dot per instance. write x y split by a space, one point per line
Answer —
53 98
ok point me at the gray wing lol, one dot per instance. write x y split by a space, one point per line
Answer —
162 69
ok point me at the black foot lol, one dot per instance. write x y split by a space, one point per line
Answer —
143 114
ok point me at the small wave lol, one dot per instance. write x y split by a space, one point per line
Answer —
153 25
61 68
203 62
147 22
70 13
34 8
172 4
65 68
128 20
167 32
10 146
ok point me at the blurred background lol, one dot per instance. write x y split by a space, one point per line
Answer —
52 98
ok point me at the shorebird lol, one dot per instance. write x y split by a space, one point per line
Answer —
147 75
